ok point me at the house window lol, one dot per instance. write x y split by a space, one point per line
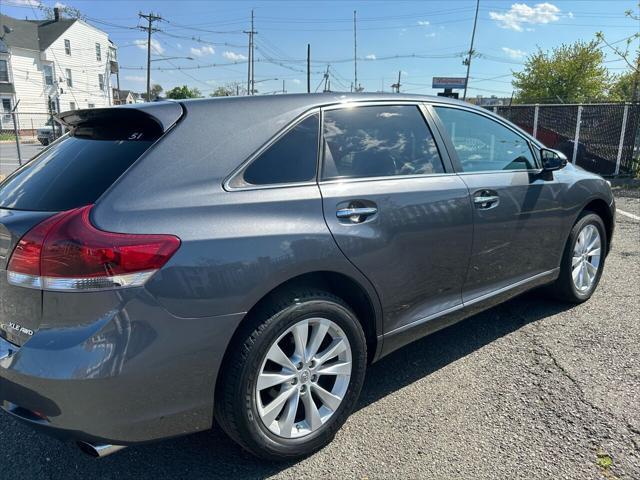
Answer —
98 53
72 105
92 105
101 82
6 105
67 46
69 79
4 71
48 74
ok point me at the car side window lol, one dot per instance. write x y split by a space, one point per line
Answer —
378 141
483 144
291 159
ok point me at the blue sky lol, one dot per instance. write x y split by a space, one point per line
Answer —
389 33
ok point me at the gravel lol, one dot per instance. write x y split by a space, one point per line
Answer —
529 389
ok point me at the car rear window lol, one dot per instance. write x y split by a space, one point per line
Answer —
69 174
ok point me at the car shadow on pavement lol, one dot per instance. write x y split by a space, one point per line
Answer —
213 455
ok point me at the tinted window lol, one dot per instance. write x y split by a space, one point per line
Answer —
290 159
71 173
483 144
378 141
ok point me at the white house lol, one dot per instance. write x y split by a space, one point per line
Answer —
53 65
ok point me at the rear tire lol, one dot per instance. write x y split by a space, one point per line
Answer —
309 418
583 259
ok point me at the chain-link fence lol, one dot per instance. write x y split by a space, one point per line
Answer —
23 135
600 137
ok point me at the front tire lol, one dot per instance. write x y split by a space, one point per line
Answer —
292 376
582 260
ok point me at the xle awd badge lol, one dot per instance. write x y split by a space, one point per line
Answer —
18 328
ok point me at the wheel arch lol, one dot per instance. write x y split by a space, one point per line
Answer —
366 308
601 208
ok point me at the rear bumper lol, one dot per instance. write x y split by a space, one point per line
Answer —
115 367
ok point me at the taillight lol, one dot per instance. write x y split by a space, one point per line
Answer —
66 252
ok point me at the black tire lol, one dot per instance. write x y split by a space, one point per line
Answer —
235 404
564 288
44 141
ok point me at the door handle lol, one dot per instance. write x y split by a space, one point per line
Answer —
356 214
485 200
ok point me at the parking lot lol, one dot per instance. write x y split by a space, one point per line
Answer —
9 155
530 389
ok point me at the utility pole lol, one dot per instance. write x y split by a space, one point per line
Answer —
150 18
326 81
473 36
355 53
250 77
396 86
308 68
283 90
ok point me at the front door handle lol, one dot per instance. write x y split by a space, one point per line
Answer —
356 214
486 199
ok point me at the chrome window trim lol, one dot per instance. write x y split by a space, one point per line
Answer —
419 104
500 121
239 171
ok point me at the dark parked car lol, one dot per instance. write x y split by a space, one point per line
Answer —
245 259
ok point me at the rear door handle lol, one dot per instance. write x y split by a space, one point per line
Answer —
356 214
486 199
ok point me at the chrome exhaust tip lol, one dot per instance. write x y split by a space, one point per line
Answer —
98 451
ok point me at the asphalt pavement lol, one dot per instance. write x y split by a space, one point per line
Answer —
9 155
530 389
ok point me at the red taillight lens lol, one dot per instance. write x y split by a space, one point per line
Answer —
66 252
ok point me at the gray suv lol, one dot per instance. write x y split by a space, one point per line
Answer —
244 259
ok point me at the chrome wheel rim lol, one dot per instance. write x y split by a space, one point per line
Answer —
586 258
303 378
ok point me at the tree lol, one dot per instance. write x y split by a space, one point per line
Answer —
48 12
570 73
223 92
624 87
155 92
627 86
177 93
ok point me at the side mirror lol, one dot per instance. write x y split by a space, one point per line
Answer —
552 159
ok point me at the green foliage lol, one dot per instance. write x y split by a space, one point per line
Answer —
623 86
177 93
604 461
570 74
223 92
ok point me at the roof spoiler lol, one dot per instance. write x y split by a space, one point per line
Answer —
134 122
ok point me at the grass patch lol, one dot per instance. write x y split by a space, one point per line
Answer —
604 461
7 136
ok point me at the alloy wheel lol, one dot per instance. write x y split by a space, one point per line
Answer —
586 258
303 378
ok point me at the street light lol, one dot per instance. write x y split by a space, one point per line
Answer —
263 80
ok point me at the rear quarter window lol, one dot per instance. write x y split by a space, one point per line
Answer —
71 173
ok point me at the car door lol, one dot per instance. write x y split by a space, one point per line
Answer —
516 206
395 207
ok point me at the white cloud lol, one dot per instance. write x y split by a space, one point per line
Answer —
521 13
570 14
178 45
156 47
233 56
202 51
296 81
514 52
23 3
135 78
424 23
211 82
371 56
60 5
430 35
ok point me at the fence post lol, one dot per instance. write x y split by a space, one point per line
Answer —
577 136
622 132
495 109
535 120
15 132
